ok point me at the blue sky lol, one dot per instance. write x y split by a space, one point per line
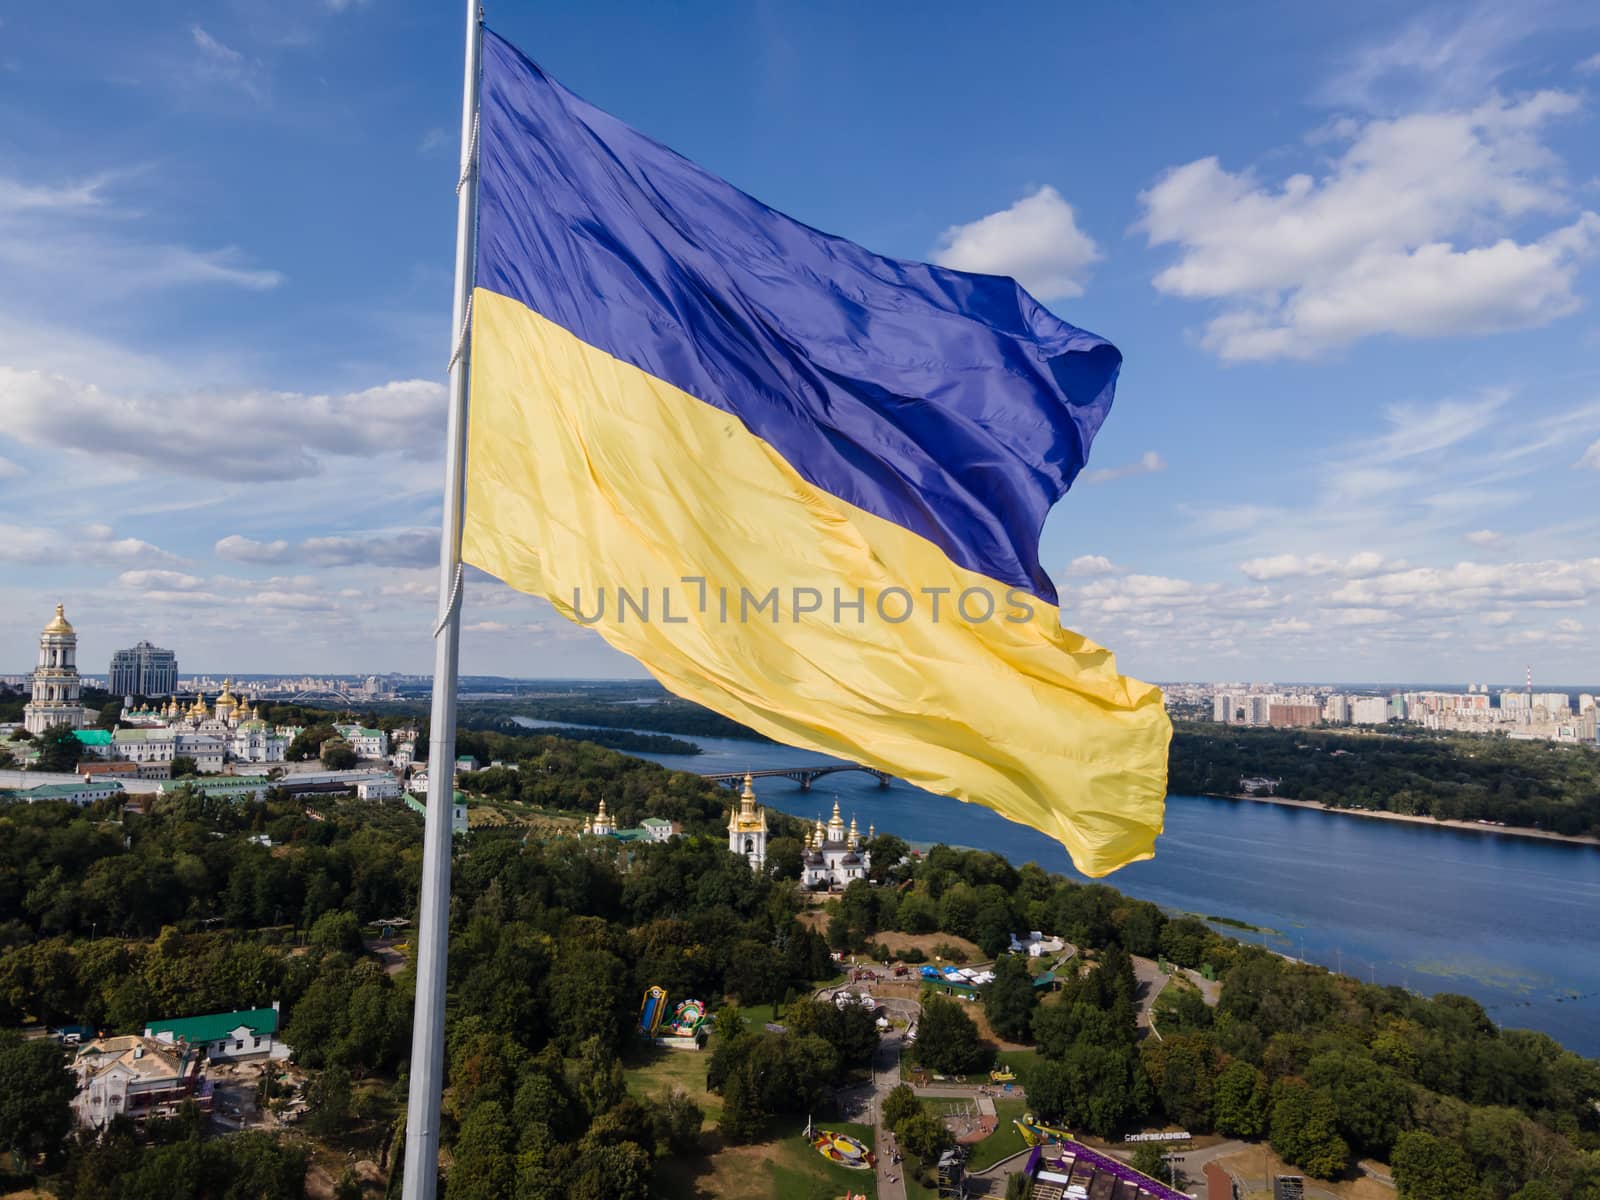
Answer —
1349 255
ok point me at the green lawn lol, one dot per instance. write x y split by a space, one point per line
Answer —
1018 1059
797 1172
758 1015
653 1072
1005 1140
784 1166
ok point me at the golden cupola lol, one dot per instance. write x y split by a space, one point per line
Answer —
59 622
748 817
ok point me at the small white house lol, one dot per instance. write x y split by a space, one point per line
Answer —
252 1033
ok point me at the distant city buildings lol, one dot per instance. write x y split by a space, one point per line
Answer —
1523 714
143 670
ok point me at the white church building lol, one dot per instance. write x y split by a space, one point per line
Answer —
834 856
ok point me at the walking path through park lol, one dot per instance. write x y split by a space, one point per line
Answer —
885 1075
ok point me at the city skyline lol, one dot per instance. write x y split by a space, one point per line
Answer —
1351 439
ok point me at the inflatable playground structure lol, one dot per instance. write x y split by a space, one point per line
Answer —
843 1149
677 1029
1036 1133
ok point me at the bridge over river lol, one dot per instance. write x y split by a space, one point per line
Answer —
805 776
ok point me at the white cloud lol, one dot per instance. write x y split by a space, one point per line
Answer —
160 580
1497 617
211 48
1293 566
298 601
219 63
1405 232
1036 241
1290 625
1144 593
405 548
1446 55
92 544
1147 463
409 548
1482 537
1359 616
9 469
18 197
1590 65
1591 457
1092 564
76 237
271 436
242 549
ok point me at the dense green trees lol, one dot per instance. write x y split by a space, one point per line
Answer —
1009 1001
36 1091
59 749
253 1165
947 1040
1430 1168
1240 1099
338 755
1303 1127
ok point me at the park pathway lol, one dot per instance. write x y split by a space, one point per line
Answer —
885 1075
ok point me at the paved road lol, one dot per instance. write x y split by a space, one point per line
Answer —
1150 981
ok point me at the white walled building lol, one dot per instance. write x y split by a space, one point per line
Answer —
368 743
56 686
1369 710
833 857
134 1077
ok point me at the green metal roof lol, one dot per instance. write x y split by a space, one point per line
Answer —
93 737
655 823
214 1027
50 791
224 782
369 733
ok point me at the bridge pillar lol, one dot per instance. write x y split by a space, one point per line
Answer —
805 782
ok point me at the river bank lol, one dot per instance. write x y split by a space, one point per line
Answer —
1522 831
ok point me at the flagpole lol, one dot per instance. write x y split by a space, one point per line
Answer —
433 925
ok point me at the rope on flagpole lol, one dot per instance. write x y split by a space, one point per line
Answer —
461 337
472 157
451 605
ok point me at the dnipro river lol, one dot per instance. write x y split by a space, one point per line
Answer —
1513 922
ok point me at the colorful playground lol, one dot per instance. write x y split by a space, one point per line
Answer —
680 1029
843 1149
1036 1133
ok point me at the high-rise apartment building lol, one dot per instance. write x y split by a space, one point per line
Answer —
144 670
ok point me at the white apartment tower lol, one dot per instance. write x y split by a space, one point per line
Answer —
55 680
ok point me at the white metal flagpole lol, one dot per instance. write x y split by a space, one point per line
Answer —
433 926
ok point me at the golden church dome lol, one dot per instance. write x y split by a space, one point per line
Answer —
59 623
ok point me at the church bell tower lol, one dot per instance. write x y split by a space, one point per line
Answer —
747 828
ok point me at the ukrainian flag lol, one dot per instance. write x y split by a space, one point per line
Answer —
802 484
